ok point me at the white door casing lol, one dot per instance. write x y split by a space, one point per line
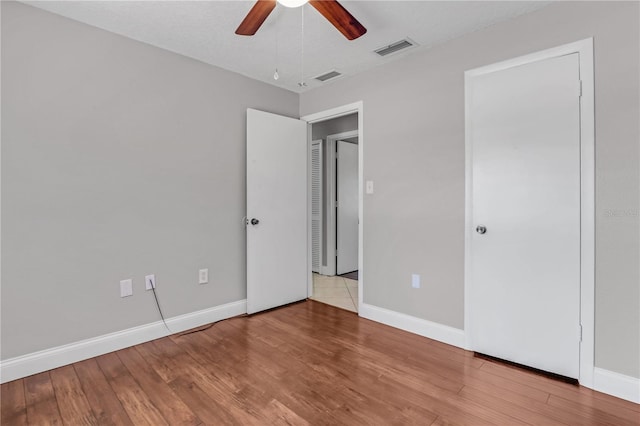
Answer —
277 261
525 133
347 209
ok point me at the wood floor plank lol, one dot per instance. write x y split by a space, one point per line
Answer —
570 392
305 363
324 371
377 370
280 414
13 408
521 408
134 400
173 409
203 404
105 404
40 398
72 402
589 414
225 395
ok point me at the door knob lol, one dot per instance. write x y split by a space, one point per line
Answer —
255 221
481 229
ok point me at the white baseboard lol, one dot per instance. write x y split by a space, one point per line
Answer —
37 362
616 384
432 330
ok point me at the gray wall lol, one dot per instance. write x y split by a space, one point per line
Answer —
414 152
118 160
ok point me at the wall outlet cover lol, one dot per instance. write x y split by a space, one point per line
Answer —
126 288
203 276
150 281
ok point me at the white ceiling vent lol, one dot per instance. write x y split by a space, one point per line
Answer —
328 75
395 47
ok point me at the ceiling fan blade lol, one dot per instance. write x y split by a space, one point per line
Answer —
256 17
340 18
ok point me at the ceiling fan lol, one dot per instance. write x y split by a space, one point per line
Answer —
333 11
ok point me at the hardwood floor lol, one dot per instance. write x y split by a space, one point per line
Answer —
304 364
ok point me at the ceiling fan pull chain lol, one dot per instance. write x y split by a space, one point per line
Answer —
275 74
302 83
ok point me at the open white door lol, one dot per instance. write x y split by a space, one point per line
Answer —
347 210
277 267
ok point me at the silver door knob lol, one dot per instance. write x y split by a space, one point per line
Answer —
481 229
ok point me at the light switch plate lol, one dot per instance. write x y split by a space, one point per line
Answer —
415 281
126 288
369 187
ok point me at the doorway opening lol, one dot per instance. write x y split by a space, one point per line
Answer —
335 198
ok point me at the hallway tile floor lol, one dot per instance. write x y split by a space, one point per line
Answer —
336 291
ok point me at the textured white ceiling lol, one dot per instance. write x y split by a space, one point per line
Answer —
204 30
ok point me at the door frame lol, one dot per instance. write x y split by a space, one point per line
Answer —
331 231
584 48
356 107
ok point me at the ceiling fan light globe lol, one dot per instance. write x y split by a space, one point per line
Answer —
292 3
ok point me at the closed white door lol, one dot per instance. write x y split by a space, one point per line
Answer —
347 210
524 128
277 268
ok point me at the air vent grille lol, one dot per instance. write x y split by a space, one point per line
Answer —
394 47
328 76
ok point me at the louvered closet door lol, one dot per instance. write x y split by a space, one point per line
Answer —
316 205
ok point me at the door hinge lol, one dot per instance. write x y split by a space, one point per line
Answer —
580 331
579 88
336 203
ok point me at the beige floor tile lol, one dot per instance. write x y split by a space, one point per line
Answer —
351 283
336 291
340 302
353 292
331 292
322 281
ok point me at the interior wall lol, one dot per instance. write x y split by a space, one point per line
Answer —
119 160
414 222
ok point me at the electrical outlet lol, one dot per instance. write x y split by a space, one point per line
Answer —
126 288
150 281
415 281
203 276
